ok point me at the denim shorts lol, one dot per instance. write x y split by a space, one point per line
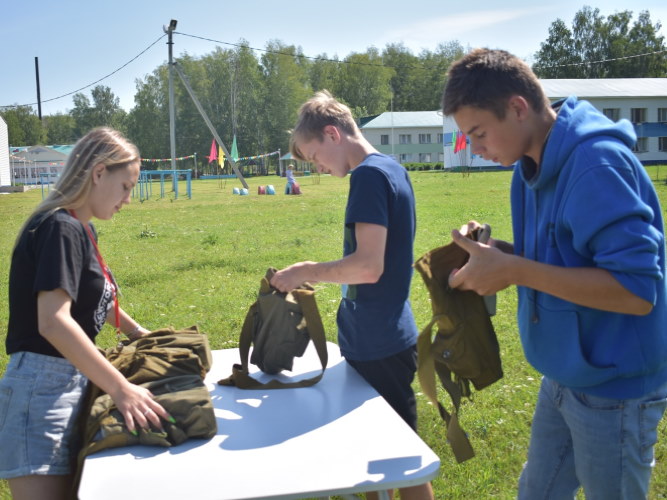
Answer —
392 378
40 397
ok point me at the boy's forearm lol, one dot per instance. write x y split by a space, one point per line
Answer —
586 286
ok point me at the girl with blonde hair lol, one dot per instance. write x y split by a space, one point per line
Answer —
60 294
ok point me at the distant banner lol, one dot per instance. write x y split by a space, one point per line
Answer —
258 156
158 160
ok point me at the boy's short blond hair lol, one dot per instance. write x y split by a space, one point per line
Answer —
486 79
316 113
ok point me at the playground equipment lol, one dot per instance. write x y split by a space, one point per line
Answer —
145 185
266 189
45 179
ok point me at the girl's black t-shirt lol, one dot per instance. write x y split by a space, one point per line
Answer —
54 251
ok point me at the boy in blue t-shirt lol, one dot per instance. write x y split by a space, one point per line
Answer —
377 333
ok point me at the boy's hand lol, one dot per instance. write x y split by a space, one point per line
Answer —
485 271
291 277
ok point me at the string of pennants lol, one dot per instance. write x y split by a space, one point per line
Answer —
158 160
218 155
258 156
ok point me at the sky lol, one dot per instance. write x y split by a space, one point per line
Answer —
79 43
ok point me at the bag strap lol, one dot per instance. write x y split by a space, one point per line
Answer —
240 376
426 370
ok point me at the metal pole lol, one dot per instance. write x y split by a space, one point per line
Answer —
172 119
39 98
210 126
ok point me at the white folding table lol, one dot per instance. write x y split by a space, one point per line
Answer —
337 437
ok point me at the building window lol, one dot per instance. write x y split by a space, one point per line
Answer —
638 115
384 139
662 115
440 138
662 143
424 157
404 139
404 157
613 114
641 145
424 138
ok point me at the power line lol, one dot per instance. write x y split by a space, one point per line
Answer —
585 63
90 84
297 55
389 66
277 52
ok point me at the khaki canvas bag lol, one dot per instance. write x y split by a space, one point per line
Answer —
464 348
279 326
170 363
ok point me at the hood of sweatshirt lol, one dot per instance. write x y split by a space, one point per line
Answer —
577 121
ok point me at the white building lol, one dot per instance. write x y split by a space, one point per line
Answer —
643 101
5 174
37 164
426 136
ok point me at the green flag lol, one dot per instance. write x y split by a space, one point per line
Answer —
235 151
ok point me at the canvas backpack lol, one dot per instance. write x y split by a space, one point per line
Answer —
172 364
279 326
464 349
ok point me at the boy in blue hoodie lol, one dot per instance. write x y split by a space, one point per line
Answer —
588 260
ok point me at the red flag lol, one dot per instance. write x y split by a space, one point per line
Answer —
213 155
460 142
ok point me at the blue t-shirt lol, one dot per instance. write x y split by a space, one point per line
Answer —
375 320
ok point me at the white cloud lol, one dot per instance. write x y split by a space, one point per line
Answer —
463 26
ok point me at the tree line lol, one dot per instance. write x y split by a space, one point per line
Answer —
256 97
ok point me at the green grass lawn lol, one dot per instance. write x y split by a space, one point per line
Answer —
198 261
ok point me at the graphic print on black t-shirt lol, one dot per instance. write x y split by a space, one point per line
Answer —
105 303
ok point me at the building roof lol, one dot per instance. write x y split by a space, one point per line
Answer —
555 88
40 154
605 87
401 119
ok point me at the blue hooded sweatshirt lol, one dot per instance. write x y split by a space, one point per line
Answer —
591 204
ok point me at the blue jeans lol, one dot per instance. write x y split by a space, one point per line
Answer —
603 445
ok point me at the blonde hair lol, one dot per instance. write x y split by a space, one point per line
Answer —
102 145
316 113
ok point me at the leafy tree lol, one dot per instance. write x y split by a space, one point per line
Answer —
406 69
599 47
104 110
365 82
285 87
430 84
60 129
247 102
148 121
323 73
24 126
644 39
